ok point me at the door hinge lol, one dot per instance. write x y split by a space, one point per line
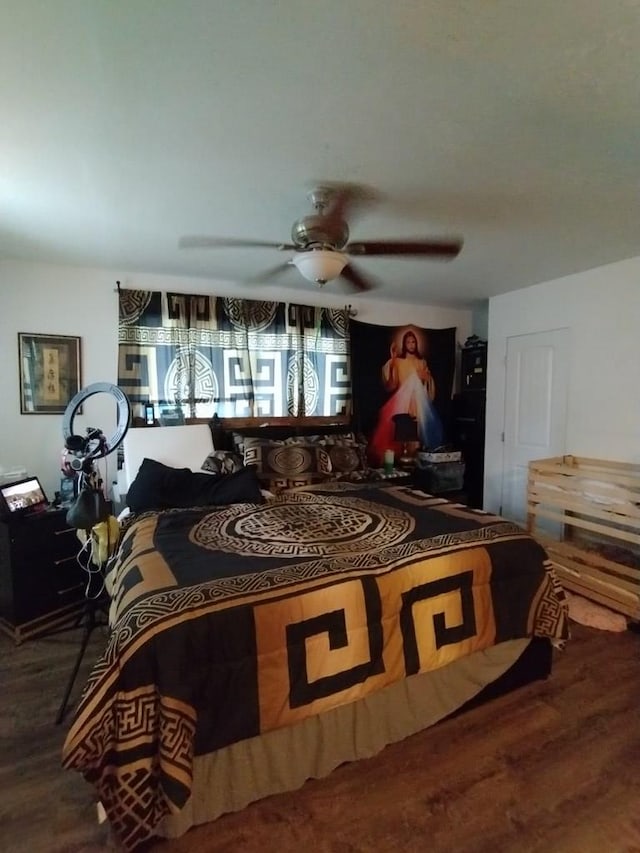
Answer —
502 436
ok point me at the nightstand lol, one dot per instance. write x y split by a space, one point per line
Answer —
41 583
423 479
437 479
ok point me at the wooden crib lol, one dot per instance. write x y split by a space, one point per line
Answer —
586 513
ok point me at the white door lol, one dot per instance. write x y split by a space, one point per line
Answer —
535 418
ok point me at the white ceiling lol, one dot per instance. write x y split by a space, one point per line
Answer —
125 124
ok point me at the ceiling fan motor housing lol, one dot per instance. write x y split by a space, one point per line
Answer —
318 231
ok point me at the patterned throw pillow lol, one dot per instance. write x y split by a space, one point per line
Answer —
284 466
222 462
239 440
340 438
347 458
347 437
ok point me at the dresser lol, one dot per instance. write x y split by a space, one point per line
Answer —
41 583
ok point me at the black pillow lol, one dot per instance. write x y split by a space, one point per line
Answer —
159 486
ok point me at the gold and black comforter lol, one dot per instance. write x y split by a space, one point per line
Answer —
233 621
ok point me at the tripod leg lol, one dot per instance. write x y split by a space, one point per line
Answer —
89 626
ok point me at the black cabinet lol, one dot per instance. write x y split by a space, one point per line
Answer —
468 428
440 478
424 481
41 583
473 367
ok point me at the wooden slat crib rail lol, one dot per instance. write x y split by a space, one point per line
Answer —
596 503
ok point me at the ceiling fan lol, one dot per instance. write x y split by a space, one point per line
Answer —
320 242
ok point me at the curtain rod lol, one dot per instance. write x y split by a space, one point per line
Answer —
350 311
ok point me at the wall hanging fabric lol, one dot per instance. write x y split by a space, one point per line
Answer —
401 370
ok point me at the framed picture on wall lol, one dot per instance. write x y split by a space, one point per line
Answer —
49 372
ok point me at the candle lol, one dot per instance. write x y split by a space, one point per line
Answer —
388 461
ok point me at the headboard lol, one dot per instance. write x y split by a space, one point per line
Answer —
273 428
187 446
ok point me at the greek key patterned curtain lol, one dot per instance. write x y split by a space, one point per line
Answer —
201 355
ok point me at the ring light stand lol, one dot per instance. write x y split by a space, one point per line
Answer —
94 445
84 451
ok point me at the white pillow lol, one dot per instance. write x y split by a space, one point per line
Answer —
178 446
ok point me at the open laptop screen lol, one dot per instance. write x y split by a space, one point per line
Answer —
22 497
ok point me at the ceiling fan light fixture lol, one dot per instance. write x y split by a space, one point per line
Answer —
320 265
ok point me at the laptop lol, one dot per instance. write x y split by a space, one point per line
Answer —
22 497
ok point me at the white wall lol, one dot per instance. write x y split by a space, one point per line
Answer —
44 298
480 319
601 308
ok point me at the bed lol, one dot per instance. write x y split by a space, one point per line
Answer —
258 642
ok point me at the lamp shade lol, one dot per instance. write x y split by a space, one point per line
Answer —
406 428
320 265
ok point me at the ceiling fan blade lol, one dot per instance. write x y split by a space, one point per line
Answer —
355 278
346 201
341 200
203 242
270 273
445 249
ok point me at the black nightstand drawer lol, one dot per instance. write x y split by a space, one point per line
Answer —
41 580
64 540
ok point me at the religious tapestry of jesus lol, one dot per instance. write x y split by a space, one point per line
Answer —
401 370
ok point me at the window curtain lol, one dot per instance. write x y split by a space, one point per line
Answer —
200 355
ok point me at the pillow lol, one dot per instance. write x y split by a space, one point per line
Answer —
287 465
235 440
159 486
238 440
179 446
340 438
347 458
347 437
223 462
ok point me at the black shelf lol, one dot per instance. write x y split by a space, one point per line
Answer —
468 432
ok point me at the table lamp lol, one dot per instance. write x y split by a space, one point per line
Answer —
406 432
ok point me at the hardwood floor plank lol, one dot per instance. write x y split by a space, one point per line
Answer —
551 768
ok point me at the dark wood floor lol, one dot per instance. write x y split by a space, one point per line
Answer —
553 768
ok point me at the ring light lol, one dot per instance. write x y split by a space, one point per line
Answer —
104 446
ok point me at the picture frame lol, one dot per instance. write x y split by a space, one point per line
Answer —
50 372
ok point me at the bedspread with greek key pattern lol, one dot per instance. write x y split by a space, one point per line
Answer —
232 621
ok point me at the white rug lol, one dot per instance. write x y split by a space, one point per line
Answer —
594 615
